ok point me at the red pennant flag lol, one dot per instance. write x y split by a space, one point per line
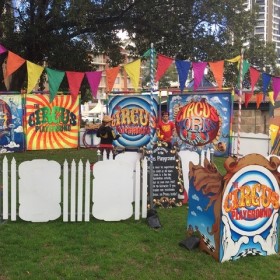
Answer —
162 65
13 63
217 68
74 81
248 96
111 75
254 76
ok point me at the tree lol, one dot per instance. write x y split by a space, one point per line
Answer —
63 32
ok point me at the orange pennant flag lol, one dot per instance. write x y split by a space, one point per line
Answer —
34 72
162 65
248 96
14 61
133 71
259 99
111 75
74 81
217 68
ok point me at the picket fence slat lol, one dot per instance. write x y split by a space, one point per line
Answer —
5 189
13 190
144 187
80 192
65 191
73 192
137 191
87 192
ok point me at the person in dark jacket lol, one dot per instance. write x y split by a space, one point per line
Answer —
107 135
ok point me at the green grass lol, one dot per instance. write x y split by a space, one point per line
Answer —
114 250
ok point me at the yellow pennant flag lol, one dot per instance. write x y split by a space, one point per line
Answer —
235 59
34 72
271 97
133 71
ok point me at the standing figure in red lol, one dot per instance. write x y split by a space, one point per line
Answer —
165 129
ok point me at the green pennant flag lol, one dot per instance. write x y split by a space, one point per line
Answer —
147 54
246 66
55 78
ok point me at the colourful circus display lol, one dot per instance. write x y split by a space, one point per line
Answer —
202 121
237 214
51 125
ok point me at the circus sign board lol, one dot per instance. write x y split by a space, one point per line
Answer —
250 211
203 121
52 125
134 117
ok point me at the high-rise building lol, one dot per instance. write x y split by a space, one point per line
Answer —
268 24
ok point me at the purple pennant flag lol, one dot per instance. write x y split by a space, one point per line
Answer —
266 80
275 87
198 70
94 80
183 68
2 49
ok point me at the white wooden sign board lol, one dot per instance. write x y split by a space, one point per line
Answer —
39 190
112 194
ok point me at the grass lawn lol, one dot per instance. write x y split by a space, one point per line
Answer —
114 250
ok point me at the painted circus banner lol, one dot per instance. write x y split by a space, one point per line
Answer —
11 128
134 117
202 121
52 125
236 215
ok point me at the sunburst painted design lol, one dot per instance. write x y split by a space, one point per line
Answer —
44 140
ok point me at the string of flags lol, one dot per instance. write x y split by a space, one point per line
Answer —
55 77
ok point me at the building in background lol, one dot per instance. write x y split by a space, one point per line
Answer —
268 24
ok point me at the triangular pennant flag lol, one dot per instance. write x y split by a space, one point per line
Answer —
111 75
271 97
248 96
254 76
235 59
94 80
275 87
259 99
133 71
147 53
55 78
217 68
198 69
265 80
2 49
34 72
245 69
183 68
163 64
74 81
14 61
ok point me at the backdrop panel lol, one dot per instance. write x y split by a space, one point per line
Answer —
52 125
11 128
203 120
134 117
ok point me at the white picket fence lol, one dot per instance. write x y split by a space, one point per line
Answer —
76 186
76 189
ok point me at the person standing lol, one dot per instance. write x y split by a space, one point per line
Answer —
107 135
165 129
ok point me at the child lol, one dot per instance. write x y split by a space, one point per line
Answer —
107 135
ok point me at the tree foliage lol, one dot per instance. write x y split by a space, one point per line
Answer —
63 32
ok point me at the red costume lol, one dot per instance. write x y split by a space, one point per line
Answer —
165 131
